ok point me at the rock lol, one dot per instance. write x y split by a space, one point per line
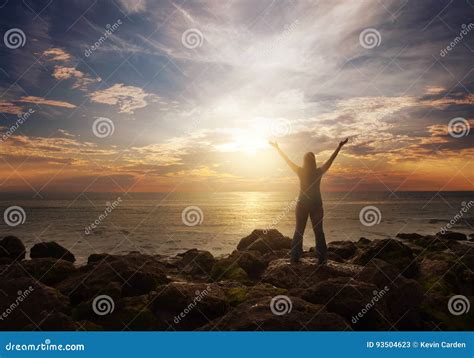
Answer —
436 275
307 272
392 251
412 236
358 302
129 313
344 249
88 326
51 249
12 248
25 301
133 275
235 293
196 262
436 314
256 314
56 321
363 242
241 266
265 241
451 235
186 306
48 271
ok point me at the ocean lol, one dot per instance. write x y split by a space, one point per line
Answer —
169 223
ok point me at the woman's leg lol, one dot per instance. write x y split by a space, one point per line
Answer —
317 216
297 242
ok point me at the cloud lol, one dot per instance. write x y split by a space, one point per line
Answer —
127 98
57 54
44 101
133 6
9 107
81 81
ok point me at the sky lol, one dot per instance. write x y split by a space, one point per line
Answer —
179 96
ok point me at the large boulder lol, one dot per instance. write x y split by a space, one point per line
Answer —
51 249
196 262
48 271
392 251
132 274
25 301
265 241
451 235
240 266
403 309
116 314
12 248
185 306
360 303
411 236
344 249
289 314
282 273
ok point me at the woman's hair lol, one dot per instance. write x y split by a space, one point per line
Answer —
309 161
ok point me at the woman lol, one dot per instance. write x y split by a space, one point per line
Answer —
309 201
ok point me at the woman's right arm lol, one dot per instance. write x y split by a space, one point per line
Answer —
288 161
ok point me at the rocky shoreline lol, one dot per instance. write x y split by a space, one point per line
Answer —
411 282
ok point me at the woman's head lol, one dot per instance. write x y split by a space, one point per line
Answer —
309 161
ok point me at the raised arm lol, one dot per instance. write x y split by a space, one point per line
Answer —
288 161
328 163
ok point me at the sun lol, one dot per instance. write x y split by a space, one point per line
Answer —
245 141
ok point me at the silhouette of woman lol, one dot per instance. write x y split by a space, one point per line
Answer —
309 201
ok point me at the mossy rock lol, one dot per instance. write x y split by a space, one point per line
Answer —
228 270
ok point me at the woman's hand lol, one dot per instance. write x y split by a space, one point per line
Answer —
274 144
341 143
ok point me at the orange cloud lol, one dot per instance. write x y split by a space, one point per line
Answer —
127 98
9 107
57 54
47 102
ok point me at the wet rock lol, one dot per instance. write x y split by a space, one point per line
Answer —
134 275
51 249
265 241
25 301
196 262
48 270
256 314
412 236
360 303
451 235
185 306
307 272
12 248
392 251
344 249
